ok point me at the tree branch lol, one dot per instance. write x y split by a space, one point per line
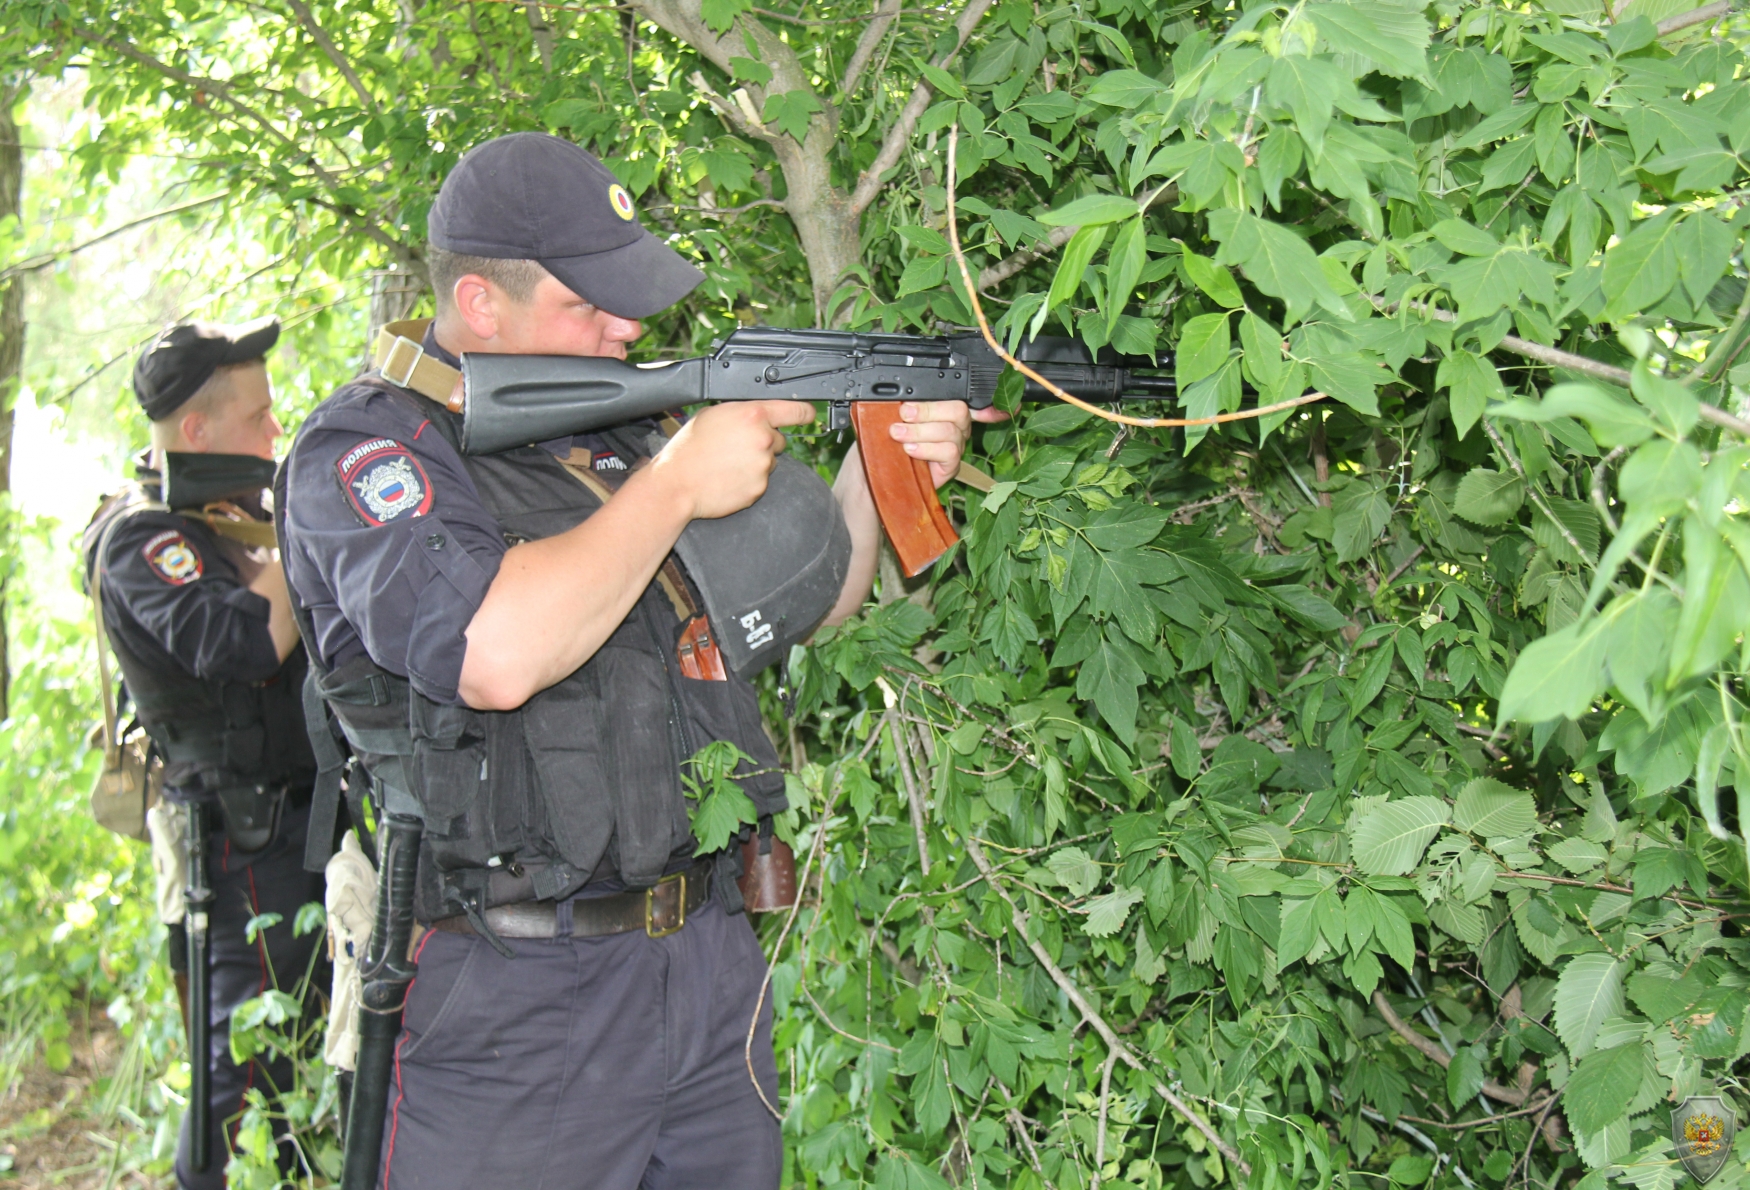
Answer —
899 136
320 36
1008 266
743 121
912 796
885 14
1610 373
212 86
1113 1041
1430 1049
44 260
1699 16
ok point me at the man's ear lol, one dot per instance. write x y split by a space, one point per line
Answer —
193 428
477 305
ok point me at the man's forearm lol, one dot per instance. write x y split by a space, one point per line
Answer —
555 601
270 584
852 492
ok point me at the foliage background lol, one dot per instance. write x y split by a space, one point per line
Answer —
1330 798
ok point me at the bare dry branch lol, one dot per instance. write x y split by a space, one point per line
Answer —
44 260
1557 358
733 113
228 95
1008 266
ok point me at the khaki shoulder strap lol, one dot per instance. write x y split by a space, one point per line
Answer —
258 534
668 577
399 357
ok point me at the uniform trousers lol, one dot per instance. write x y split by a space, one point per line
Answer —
271 880
611 1063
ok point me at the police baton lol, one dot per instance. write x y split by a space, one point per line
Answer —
387 971
197 897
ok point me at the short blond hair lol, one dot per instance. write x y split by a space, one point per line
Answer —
517 278
213 392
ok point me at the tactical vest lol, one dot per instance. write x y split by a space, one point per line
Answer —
214 736
581 781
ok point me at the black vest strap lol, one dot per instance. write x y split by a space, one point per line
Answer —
330 765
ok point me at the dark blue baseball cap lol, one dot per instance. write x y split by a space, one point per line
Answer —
530 196
179 361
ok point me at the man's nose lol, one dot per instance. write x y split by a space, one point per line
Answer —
621 330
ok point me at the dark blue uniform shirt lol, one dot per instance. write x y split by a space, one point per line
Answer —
174 597
389 546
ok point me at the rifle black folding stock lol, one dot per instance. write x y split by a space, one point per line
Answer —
514 400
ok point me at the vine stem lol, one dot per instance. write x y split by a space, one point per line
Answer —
1114 1042
1121 418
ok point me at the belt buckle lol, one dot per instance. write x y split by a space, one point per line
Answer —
650 926
406 380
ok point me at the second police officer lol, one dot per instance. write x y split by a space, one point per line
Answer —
195 607
585 986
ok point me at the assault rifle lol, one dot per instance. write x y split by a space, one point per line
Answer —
514 400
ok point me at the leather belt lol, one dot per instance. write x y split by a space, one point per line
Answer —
659 911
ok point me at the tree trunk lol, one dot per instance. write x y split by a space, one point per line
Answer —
824 221
11 356
394 292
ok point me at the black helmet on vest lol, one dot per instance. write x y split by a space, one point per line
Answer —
770 573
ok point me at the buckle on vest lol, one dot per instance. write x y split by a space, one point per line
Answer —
406 380
679 880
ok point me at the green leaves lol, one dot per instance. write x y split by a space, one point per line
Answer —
1094 209
791 111
1558 676
1394 39
1613 421
1109 679
1588 992
1074 870
1474 383
1489 809
1389 839
1488 497
1106 913
1203 347
1602 1086
1076 256
1275 260
1642 268
717 806
1464 1078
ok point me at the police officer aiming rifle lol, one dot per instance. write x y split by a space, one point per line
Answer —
193 602
521 649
